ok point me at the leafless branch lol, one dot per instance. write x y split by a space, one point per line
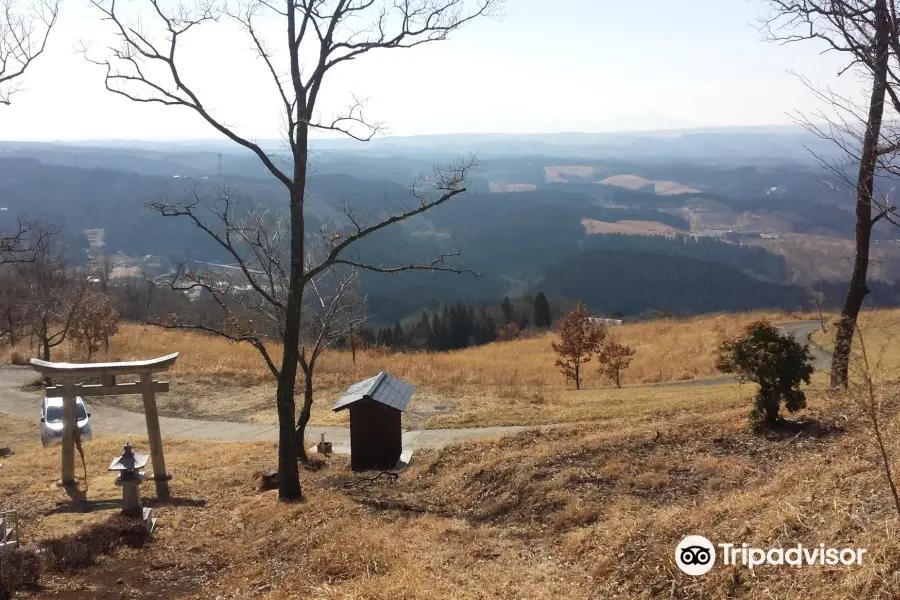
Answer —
23 38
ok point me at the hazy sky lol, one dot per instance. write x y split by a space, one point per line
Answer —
565 65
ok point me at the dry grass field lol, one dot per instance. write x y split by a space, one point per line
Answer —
497 384
878 335
594 226
574 512
661 187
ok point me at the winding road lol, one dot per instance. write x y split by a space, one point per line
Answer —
14 401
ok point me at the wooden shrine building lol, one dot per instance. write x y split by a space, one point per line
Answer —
376 435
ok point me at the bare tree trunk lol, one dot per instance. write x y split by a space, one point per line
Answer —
352 339
858 290
288 473
12 328
45 344
305 412
618 384
578 373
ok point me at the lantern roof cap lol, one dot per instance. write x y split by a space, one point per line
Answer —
129 460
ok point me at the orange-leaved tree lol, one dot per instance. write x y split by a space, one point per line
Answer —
94 322
615 358
580 337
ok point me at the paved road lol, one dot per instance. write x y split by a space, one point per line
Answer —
13 401
802 330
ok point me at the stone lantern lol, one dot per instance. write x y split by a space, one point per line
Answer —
129 478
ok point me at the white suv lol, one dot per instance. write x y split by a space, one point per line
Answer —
52 424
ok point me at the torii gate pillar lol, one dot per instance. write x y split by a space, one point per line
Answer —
67 374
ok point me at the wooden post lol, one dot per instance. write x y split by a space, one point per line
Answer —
68 433
160 476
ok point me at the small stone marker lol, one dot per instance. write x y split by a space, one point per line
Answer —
323 447
268 480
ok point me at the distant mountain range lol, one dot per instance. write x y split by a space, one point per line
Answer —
777 225
721 144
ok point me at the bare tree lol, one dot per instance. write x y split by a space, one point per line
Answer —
146 68
866 31
255 296
12 320
50 292
23 38
94 321
335 309
20 241
817 298
354 341
877 399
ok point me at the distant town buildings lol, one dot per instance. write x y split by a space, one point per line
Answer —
605 321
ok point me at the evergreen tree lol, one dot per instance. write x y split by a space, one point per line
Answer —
437 333
509 315
525 321
542 317
486 329
367 336
421 336
398 337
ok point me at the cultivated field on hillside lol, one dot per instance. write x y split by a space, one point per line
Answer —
628 227
511 187
661 187
497 384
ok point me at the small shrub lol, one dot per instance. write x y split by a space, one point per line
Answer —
19 569
81 549
773 360
66 554
16 357
118 531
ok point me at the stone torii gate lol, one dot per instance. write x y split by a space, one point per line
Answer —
66 374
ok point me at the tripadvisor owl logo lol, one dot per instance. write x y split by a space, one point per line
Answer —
695 555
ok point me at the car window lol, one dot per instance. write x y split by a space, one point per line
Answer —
54 413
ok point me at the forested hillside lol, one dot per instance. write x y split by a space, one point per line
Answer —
509 243
624 282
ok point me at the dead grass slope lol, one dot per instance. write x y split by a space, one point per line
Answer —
575 512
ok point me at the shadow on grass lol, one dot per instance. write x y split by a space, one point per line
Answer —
787 429
191 502
80 504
